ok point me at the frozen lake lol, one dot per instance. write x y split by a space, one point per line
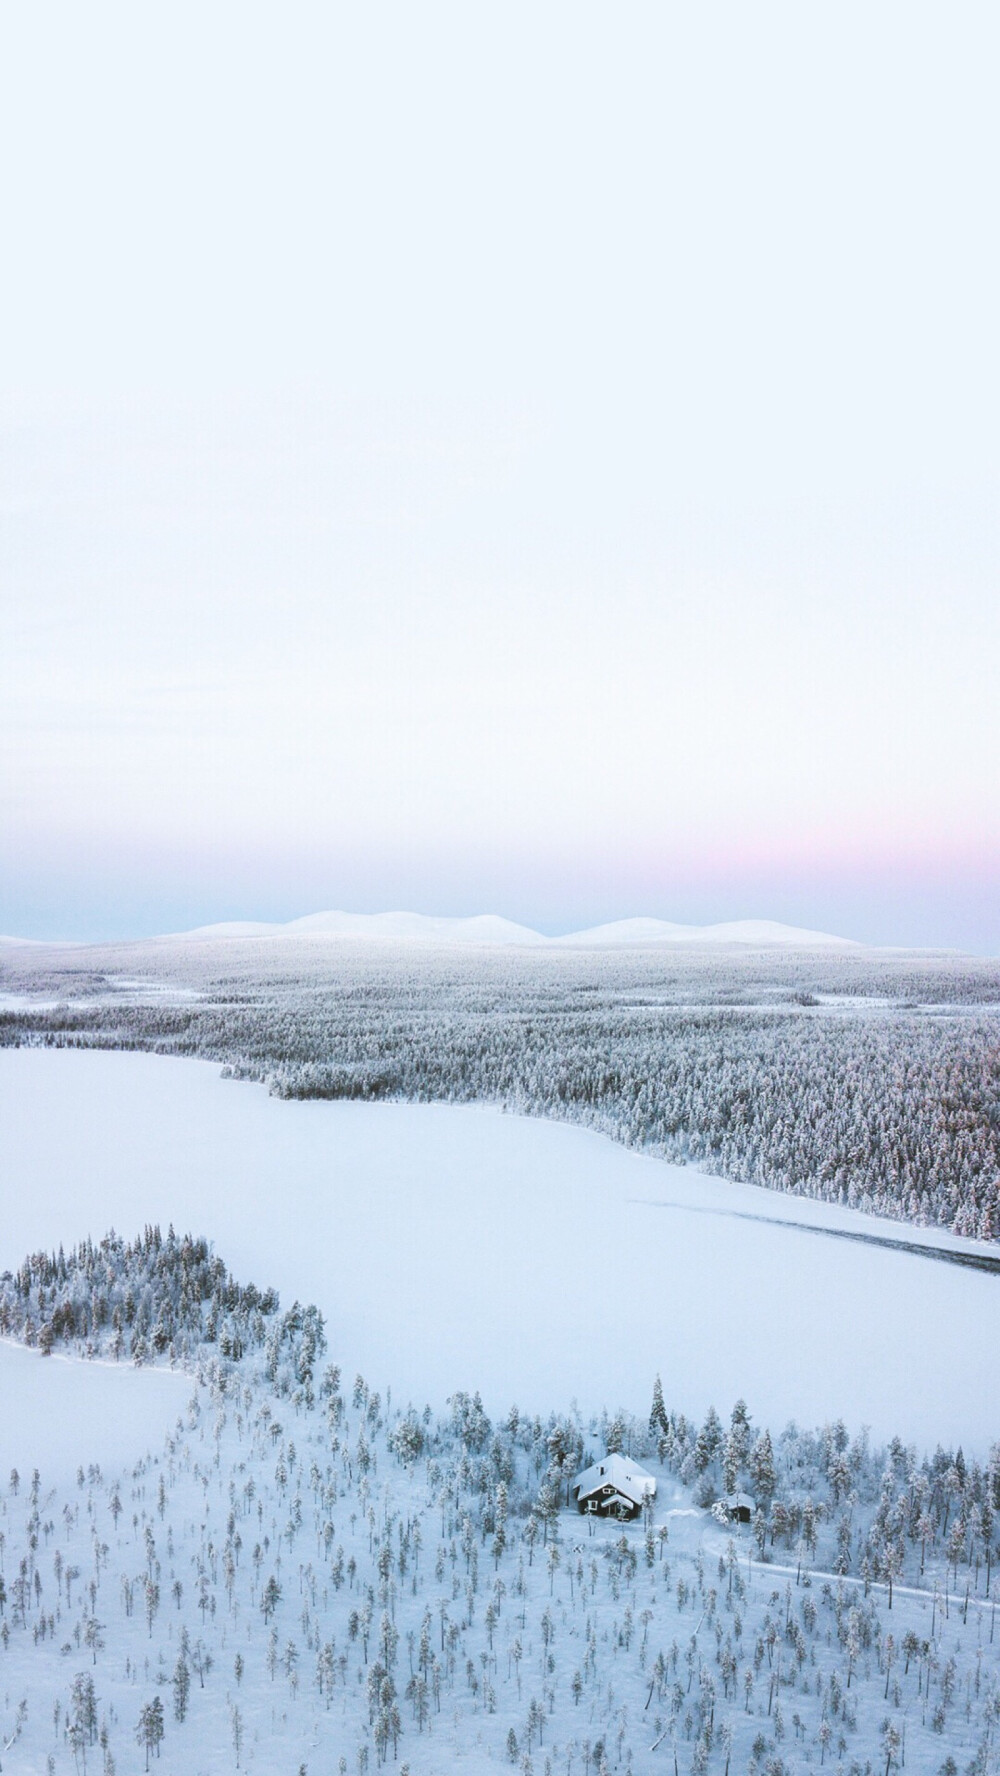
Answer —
58 1413
457 1247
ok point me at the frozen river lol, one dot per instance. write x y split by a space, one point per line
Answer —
456 1247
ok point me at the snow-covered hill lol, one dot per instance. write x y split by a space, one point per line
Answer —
733 931
35 943
490 928
485 928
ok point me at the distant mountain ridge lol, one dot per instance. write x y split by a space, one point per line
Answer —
741 931
491 929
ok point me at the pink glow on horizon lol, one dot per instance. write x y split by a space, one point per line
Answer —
837 858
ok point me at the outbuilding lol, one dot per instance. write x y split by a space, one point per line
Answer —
615 1486
740 1506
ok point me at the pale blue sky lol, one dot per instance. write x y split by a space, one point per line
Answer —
532 459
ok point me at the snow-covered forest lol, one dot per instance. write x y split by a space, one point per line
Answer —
861 1077
306 1576
156 1295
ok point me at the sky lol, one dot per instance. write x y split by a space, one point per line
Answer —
530 459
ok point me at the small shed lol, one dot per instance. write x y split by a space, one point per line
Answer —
740 1506
614 1486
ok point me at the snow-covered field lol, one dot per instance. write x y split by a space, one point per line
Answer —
453 1247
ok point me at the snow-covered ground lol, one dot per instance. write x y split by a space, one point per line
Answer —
60 1413
120 990
457 1247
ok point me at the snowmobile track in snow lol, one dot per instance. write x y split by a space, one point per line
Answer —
944 1254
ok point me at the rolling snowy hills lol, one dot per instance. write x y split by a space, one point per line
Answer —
733 931
490 928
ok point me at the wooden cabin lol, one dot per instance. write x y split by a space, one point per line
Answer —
740 1506
614 1486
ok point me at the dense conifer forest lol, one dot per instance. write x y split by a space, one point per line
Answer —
154 1296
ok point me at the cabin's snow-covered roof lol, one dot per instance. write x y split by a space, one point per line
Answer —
619 1471
739 1501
